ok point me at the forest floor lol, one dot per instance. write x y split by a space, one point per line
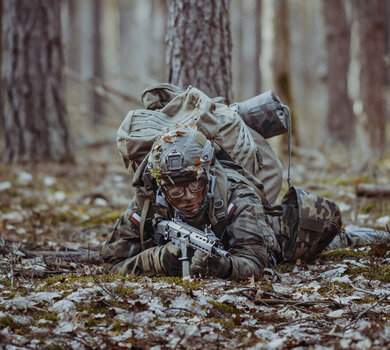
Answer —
48 301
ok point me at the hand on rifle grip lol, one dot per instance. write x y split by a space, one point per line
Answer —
169 259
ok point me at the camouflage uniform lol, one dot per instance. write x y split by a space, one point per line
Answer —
245 230
233 202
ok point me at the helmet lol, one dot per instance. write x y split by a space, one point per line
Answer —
180 153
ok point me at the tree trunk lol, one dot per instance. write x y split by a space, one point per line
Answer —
199 46
340 119
33 111
257 81
281 61
387 46
281 54
371 23
97 14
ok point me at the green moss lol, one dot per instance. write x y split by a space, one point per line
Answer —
125 292
55 279
29 202
284 268
10 192
341 254
10 295
328 288
368 207
107 278
374 272
5 171
93 322
227 324
46 315
93 308
17 328
365 300
63 282
179 281
51 217
122 327
225 308
104 218
6 282
159 322
326 194
7 321
63 217
344 181
125 305
375 206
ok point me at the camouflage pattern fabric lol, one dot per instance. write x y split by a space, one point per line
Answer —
169 106
247 235
309 223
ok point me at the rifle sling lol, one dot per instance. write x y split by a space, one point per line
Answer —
144 212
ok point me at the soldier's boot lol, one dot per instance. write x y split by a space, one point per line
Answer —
354 236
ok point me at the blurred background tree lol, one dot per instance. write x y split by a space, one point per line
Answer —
198 50
371 21
340 119
34 119
329 60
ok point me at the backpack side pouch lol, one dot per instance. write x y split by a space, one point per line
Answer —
308 224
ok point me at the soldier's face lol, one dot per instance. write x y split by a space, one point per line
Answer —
191 196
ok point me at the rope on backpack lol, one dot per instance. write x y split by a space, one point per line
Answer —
289 143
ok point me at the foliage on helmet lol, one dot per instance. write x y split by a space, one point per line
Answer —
179 151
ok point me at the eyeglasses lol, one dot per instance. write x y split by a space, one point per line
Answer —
179 191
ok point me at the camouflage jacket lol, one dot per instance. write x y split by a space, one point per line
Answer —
242 226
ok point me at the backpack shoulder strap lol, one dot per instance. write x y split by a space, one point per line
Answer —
247 178
218 205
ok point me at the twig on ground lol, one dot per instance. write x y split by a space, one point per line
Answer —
13 260
361 314
250 297
299 320
262 301
83 256
105 289
178 309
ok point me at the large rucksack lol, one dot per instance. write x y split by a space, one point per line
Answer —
167 106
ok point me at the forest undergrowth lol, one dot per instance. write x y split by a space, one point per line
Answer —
54 294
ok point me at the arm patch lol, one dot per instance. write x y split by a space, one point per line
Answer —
231 209
135 219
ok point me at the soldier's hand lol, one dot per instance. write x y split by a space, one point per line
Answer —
169 259
204 265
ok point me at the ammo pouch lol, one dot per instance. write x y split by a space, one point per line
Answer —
308 224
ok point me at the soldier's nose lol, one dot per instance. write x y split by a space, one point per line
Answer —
188 194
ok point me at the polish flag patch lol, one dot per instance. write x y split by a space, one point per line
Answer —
135 219
230 210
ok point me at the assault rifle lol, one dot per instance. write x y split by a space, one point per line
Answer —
185 236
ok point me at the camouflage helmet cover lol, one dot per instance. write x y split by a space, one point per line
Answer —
180 152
